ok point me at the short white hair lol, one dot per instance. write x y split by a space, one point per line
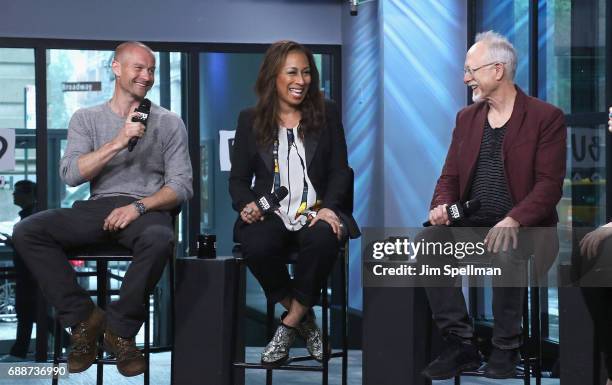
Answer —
499 49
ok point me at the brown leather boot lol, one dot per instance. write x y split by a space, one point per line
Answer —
130 360
83 341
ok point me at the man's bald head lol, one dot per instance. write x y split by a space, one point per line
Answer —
134 69
124 49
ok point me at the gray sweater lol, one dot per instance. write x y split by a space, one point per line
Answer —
160 158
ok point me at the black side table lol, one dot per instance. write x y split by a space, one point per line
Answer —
205 315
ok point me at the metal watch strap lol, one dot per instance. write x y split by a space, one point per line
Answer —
140 207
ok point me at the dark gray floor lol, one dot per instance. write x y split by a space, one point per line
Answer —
160 374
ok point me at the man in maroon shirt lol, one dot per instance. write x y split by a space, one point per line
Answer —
507 151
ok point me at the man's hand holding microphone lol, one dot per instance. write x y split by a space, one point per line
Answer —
499 238
135 125
439 216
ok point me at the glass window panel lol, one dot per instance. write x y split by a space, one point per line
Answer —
176 60
17 112
571 53
511 19
16 101
553 313
17 93
571 75
84 78
68 72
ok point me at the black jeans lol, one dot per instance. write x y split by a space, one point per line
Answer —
599 299
42 239
448 303
599 303
264 246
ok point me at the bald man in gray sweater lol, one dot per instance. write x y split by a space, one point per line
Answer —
132 195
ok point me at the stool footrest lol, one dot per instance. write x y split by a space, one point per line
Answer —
288 366
480 373
309 368
309 358
105 361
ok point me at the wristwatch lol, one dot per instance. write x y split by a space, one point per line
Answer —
140 207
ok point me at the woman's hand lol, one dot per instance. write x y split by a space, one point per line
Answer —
251 213
330 217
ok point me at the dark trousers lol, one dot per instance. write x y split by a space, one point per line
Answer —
446 296
599 299
599 303
25 306
42 239
265 245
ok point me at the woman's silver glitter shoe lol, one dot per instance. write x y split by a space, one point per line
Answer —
277 351
311 333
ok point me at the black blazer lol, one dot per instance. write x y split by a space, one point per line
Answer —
326 161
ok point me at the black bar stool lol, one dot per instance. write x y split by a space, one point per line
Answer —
102 255
325 309
531 350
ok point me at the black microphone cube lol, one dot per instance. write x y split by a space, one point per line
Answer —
207 246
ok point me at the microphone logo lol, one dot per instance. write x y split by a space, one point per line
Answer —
270 202
454 212
264 204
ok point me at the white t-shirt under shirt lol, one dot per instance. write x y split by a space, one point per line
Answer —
293 173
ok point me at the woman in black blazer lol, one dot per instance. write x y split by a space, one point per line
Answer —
292 138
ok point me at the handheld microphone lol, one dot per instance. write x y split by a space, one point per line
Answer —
270 202
143 115
458 211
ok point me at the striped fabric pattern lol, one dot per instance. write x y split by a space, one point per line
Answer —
489 184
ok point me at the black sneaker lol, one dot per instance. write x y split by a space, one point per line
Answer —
502 363
460 355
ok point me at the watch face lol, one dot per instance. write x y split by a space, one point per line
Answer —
140 207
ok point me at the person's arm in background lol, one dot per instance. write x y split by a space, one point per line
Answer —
589 244
6 239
